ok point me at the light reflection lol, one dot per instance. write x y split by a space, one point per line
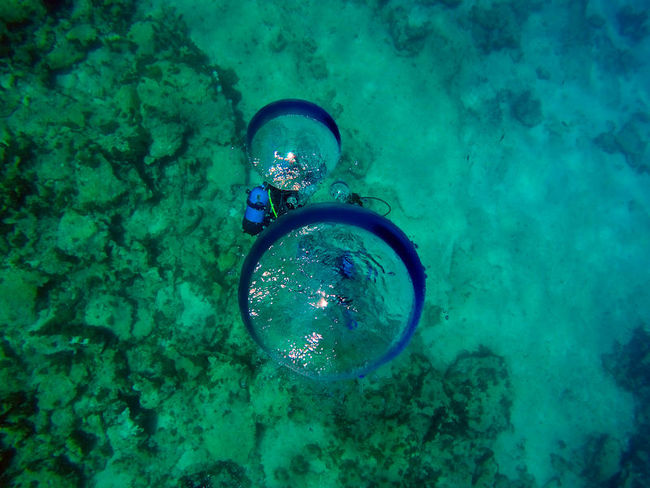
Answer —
321 301
305 352
291 157
286 171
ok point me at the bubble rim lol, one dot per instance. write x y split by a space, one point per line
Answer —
290 106
338 213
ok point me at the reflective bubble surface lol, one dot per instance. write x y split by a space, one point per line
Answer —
331 299
293 152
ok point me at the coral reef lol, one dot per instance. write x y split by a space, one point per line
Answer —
117 172
526 109
497 25
123 361
119 245
630 141
632 22
629 364
408 28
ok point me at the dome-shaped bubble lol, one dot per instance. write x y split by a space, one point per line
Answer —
293 144
340 191
332 291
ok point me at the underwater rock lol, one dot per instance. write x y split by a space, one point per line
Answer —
496 27
480 393
143 36
111 312
222 474
606 141
486 469
604 459
87 223
144 323
80 235
56 391
64 55
447 3
633 145
526 109
408 30
127 103
17 11
16 177
630 141
629 364
18 409
18 290
167 139
633 22
175 101
97 186
123 433
196 309
83 34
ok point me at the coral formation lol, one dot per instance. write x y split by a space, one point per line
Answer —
630 140
526 109
123 361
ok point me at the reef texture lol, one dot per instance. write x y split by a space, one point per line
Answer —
122 359
118 177
629 364
630 140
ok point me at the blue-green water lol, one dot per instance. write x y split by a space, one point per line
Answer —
510 139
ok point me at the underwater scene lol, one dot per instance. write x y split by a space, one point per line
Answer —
499 147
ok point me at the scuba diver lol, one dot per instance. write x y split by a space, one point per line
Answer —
329 290
293 145
265 203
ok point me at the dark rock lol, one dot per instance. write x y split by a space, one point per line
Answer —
629 364
408 36
451 3
526 109
630 141
86 441
606 141
299 465
223 474
446 3
481 391
603 459
633 145
7 455
495 27
632 23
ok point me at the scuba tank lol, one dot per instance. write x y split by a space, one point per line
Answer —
257 205
266 203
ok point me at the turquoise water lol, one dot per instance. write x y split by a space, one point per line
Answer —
511 141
